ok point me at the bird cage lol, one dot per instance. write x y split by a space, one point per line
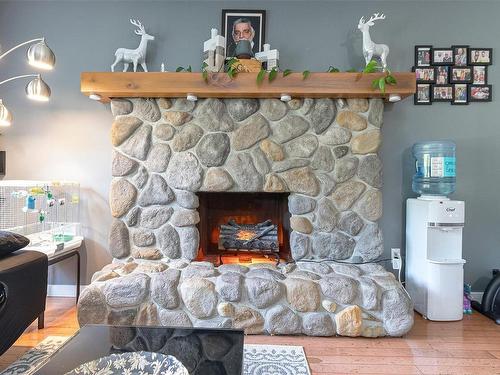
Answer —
47 213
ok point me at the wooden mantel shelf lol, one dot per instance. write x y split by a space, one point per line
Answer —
318 85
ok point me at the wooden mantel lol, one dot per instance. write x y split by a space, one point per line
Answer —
317 85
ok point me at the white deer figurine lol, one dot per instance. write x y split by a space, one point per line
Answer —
370 48
134 56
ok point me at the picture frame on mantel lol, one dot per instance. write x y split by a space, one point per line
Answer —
235 20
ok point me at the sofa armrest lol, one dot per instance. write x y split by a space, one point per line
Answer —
23 278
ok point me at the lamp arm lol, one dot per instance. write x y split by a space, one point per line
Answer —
19 77
20 45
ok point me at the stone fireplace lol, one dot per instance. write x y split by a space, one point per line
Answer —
180 169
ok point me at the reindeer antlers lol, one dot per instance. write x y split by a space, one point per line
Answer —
139 25
377 16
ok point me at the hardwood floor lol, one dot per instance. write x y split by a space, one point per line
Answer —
471 346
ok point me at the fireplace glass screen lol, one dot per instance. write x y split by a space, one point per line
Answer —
253 223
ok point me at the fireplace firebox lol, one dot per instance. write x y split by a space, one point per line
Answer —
245 225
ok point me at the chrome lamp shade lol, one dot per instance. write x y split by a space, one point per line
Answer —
38 90
5 115
41 56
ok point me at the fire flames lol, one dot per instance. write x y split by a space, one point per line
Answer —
245 235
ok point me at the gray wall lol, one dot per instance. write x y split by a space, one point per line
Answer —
68 139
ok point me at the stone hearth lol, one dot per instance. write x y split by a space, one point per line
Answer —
323 152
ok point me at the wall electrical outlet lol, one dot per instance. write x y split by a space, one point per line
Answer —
396 258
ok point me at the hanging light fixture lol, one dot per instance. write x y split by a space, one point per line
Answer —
40 56
5 115
38 90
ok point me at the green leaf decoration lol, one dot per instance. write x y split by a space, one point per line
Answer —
231 72
179 69
272 74
371 67
287 72
332 69
189 69
230 62
204 74
260 76
390 80
305 74
204 65
375 84
381 84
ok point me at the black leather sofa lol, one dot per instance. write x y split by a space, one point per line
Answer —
23 291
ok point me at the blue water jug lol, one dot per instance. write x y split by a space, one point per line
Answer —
435 168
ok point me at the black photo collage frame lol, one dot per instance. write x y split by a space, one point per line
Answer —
458 74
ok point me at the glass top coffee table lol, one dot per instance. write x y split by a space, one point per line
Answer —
202 351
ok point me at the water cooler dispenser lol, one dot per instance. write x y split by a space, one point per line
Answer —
434 224
434 264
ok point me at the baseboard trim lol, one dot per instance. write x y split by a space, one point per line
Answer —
61 290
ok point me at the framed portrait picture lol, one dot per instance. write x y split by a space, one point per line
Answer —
442 75
479 75
460 94
460 74
480 56
238 24
442 56
480 93
423 55
425 75
442 93
460 55
423 94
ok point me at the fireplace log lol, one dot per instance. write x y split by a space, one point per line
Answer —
260 237
229 228
262 233
233 223
266 223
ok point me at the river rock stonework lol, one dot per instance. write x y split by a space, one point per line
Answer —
322 153
315 299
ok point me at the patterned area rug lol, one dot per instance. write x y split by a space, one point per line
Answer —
257 359
275 360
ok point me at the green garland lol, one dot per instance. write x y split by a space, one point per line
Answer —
372 67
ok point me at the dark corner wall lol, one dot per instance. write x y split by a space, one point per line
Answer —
69 137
